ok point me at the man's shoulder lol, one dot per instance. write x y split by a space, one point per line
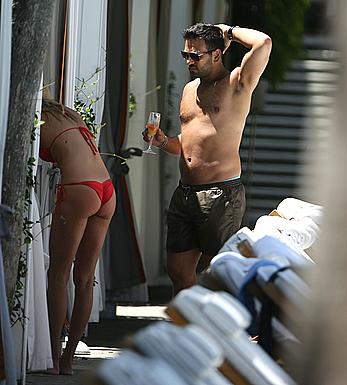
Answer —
193 83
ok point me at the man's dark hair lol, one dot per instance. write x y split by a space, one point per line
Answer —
212 35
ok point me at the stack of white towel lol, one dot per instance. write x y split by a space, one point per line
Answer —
225 319
294 222
190 351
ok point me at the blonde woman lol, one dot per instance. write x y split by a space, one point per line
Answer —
84 207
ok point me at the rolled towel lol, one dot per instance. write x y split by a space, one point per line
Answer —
270 247
243 235
133 369
225 319
300 234
231 269
190 351
292 208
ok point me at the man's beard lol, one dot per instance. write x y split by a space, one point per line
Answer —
200 73
194 72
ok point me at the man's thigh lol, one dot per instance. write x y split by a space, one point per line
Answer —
223 220
181 232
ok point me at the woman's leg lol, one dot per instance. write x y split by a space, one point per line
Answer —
84 269
68 226
64 241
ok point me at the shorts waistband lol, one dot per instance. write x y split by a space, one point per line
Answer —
208 186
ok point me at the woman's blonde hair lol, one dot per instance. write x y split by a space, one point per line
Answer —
58 110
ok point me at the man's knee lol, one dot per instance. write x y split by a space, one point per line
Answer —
174 269
181 267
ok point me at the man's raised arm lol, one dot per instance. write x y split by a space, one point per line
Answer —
255 60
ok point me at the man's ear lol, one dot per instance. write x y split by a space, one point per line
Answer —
217 55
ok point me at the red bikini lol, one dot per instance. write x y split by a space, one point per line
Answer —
45 153
104 189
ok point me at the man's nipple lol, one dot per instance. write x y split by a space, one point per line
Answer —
189 159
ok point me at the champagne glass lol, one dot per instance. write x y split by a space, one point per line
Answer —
152 128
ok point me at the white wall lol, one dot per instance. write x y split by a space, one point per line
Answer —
180 19
144 172
141 175
91 52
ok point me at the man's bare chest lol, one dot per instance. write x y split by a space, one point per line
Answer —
199 106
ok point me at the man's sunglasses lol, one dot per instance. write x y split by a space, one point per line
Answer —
195 56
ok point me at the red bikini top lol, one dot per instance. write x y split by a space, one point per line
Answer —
45 153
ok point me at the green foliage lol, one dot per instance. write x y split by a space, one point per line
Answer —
86 110
284 22
85 101
17 310
132 104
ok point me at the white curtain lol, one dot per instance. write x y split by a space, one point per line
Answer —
36 351
39 346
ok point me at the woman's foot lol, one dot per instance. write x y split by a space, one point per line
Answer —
66 372
53 371
65 367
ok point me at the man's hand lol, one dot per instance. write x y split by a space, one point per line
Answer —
158 139
225 28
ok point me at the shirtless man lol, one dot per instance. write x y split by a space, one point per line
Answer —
208 205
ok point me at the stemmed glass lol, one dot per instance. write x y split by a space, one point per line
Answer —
152 128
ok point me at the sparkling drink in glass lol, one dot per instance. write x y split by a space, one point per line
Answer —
152 128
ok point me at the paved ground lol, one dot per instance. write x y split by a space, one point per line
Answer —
83 366
105 340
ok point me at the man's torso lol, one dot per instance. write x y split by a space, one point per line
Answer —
212 121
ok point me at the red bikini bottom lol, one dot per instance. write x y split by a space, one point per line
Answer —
103 189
